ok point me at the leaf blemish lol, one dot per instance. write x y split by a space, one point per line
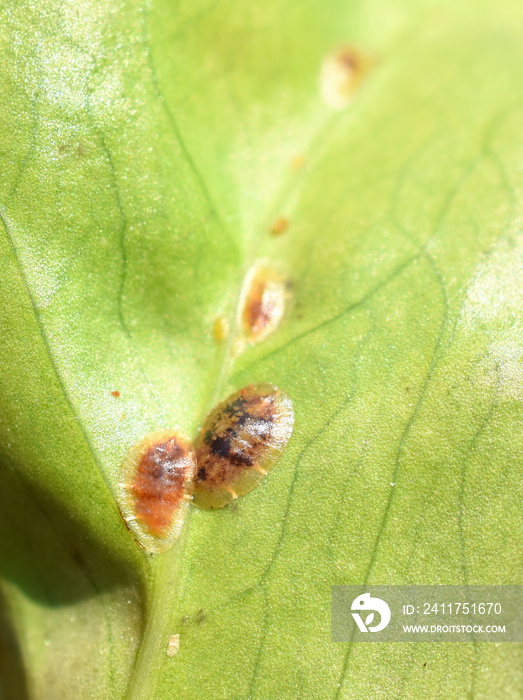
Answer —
241 440
220 330
197 618
297 162
116 394
153 493
174 645
280 226
340 76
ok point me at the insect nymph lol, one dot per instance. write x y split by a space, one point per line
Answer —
153 494
240 441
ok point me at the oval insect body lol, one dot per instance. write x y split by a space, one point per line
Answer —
152 495
341 75
264 303
241 440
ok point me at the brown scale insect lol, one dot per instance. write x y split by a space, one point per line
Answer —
341 75
157 476
264 303
241 440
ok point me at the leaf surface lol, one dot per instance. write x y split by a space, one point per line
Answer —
146 152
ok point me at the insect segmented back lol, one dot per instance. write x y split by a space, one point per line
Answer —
241 440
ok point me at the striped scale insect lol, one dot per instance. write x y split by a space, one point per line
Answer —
240 441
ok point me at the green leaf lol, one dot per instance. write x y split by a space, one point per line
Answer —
146 151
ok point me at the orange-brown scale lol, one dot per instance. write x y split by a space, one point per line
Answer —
159 485
154 488
242 437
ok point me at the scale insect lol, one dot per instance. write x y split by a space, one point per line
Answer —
341 75
264 302
156 482
240 441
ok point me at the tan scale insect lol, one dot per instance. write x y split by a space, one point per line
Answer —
239 443
264 302
173 645
156 482
341 74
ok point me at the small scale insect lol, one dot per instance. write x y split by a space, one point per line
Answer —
280 226
241 440
341 74
264 303
156 480
173 645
